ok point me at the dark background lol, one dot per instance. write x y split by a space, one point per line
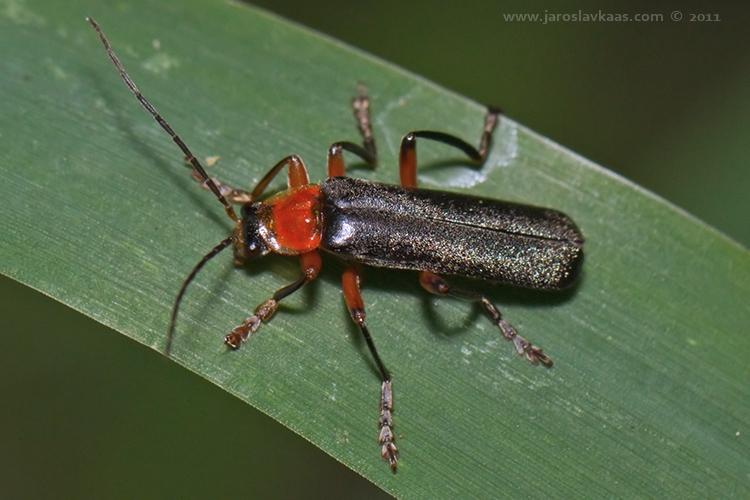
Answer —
664 103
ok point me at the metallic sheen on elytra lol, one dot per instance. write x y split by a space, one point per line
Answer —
385 225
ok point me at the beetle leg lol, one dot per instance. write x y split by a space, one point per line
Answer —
336 166
435 284
361 105
350 283
407 158
230 193
296 177
310 263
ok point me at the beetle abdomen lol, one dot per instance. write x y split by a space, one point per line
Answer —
385 225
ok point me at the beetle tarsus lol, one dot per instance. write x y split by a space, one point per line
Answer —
490 122
242 332
436 284
386 438
361 105
262 313
523 346
230 193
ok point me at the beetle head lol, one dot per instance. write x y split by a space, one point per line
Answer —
251 244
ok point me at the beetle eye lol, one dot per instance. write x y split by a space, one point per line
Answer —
254 246
252 249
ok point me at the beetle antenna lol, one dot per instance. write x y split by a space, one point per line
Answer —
144 102
210 255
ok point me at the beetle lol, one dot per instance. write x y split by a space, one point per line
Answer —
388 226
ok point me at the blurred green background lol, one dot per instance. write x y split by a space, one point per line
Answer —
666 104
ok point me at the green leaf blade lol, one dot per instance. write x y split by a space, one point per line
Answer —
648 397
